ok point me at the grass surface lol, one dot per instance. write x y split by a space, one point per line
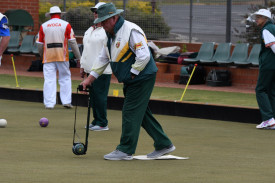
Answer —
164 93
219 151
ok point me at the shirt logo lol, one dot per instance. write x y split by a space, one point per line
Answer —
54 25
117 44
138 45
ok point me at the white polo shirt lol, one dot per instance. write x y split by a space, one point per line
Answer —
93 43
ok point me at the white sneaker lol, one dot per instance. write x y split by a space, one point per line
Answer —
99 128
267 123
158 153
90 126
118 155
68 106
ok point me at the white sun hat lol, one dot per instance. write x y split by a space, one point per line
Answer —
96 6
262 12
53 10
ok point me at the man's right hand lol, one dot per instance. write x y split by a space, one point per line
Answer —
88 81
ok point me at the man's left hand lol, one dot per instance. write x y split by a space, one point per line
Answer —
133 76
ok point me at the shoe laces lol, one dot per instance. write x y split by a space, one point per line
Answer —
115 151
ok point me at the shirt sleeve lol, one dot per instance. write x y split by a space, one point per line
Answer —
69 32
269 38
4 28
41 36
102 63
139 46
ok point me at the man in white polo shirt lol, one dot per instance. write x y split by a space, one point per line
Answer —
93 42
53 40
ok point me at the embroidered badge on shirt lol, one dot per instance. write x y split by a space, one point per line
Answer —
138 45
117 44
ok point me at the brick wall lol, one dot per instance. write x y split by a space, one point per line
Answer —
31 6
241 77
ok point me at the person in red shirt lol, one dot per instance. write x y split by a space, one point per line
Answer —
53 39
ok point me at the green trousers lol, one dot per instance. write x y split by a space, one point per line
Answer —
98 99
136 113
265 93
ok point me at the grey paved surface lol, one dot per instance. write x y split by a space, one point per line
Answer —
209 21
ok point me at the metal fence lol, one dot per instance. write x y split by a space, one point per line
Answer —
170 20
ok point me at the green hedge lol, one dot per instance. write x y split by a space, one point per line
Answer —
81 18
153 25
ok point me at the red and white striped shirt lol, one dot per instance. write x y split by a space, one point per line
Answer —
54 35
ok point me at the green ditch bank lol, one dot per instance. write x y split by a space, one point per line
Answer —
164 107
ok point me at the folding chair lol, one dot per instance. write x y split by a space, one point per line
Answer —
239 57
239 54
27 44
254 55
222 53
14 41
205 53
34 47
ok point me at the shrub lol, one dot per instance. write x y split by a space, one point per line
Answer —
139 12
43 8
80 18
153 25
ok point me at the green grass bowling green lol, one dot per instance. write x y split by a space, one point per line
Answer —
219 151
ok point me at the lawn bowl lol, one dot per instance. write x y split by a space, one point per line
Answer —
79 149
43 122
3 123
